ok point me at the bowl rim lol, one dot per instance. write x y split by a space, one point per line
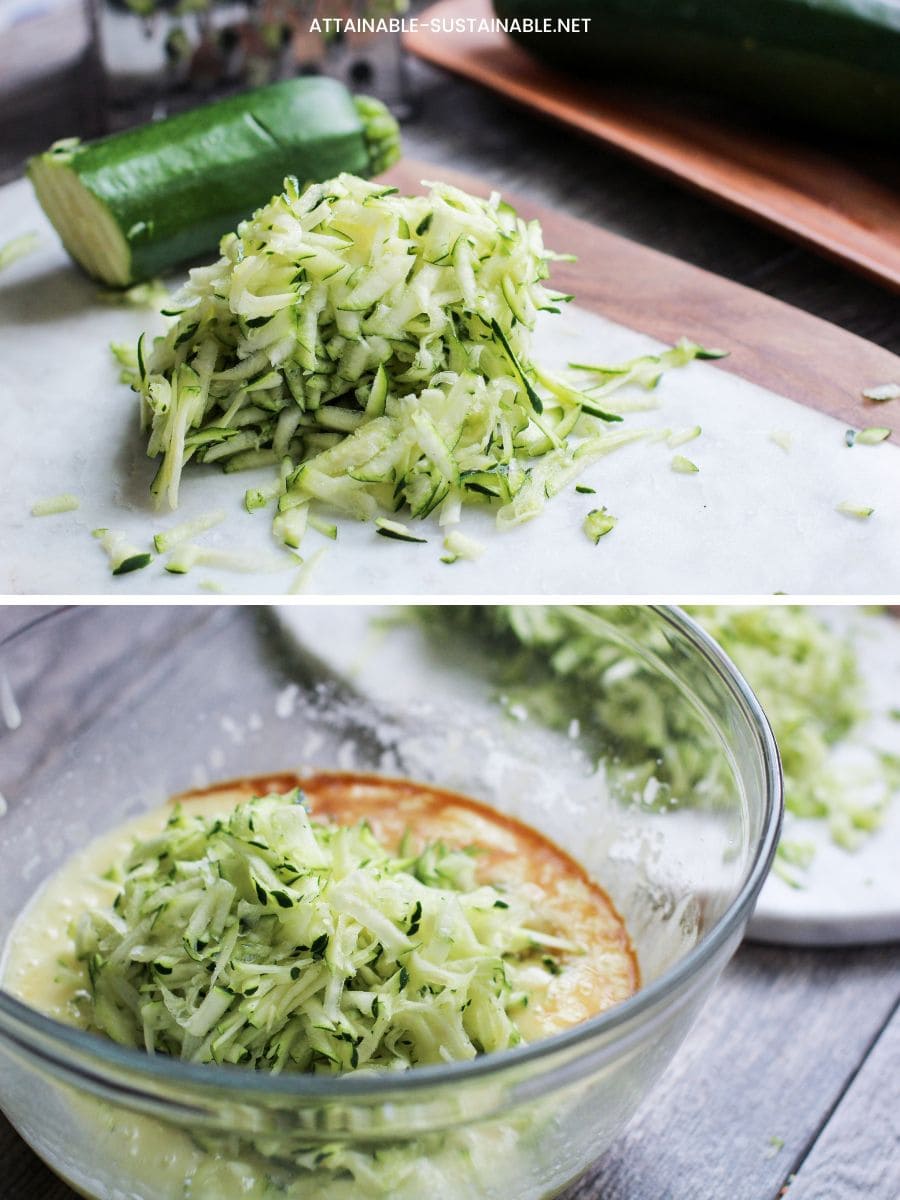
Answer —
53 1041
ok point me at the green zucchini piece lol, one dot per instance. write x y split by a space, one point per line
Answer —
53 505
832 63
598 523
136 203
396 530
18 247
123 556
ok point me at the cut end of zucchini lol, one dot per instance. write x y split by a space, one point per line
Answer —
381 132
85 225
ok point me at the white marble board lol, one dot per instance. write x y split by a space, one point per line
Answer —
756 518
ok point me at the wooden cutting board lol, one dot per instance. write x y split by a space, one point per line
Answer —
840 201
770 343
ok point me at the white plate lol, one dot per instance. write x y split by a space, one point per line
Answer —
848 898
755 519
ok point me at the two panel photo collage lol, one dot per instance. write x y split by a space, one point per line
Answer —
450 600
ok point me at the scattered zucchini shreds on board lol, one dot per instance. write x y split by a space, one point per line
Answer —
282 944
300 581
681 436
782 438
704 352
290 526
396 530
55 504
679 355
872 436
860 511
885 391
246 562
684 466
598 523
381 346
182 558
326 528
584 490
170 538
123 556
18 247
459 545
255 498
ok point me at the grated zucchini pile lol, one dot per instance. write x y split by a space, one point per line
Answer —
269 940
806 675
807 678
376 349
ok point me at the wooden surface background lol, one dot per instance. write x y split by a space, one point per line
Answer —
791 1073
474 130
842 197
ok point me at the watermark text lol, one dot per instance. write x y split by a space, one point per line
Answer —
339 25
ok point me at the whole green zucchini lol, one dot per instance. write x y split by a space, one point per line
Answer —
136 203
831 63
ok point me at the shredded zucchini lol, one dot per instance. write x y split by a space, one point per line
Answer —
187 529
808 681
377 348
266 939
300 581
860 511
396 531
55 504
187 555
151 294
598 523
681 436
123 556
872 435
883 392
18 247
684 466
806 675
458 546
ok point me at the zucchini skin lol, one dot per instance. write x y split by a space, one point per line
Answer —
174 187
830 63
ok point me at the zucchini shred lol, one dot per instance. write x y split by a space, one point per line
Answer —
267 939
376 350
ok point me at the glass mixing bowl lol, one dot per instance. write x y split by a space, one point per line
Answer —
665 784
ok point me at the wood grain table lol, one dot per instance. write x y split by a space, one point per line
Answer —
790 1078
